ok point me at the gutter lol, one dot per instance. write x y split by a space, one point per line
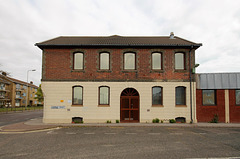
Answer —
190 80
116 45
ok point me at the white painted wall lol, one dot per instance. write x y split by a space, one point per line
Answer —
54 92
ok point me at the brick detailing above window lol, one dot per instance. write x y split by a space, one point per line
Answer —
58 65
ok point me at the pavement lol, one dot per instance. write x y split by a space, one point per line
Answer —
36 125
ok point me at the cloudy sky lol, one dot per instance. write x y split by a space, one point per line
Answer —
214 23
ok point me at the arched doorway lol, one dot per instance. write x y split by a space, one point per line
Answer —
129 105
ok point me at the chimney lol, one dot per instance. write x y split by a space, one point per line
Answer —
4 73
172 35
31 82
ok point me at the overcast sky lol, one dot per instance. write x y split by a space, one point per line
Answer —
214 23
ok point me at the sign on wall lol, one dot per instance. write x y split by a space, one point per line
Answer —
58 107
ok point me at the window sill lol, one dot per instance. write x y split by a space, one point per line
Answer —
126 71
157 105
77 105
156 71
80 70
181 105
180 70
104 71
103 105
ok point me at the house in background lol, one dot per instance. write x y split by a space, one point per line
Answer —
218 94
17 92
131 79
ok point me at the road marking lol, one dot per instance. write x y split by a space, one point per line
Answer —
110 133
217 158
27 132
131 133
51 132
107 145
89 133
70 133
202 133
153 133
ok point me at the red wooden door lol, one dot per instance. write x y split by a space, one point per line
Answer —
129 105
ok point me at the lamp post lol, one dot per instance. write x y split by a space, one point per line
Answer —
27 90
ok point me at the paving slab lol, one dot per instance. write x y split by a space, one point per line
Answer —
37 124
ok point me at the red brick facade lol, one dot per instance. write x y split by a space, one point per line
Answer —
234 110
58 64
206 113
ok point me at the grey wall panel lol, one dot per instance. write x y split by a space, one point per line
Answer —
218 81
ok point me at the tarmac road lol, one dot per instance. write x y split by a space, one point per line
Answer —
123 142
16 117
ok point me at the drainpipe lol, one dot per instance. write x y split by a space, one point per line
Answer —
190 79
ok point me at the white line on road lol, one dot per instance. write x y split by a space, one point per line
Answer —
89 133
70 133
107 145
51 132
131 133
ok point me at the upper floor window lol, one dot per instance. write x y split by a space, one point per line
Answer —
156 95
209 97
237 93
78 60
18 86
157 61
180 95
129 61
179 61
2 86
104 61
77 95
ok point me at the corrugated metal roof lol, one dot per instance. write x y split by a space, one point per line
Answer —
116 40
218 81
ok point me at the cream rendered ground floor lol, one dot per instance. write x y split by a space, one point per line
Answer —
58 106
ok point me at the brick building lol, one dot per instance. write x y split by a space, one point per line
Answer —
14 92
218 94
131 79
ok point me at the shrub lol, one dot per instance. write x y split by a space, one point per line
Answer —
215 119
161 121
154 120
172 121
117 121
109 121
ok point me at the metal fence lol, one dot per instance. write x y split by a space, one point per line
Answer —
20 109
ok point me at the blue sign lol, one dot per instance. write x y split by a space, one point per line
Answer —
58 107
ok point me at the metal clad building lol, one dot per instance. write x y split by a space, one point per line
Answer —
218 81
218 94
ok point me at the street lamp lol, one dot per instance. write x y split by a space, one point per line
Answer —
27 90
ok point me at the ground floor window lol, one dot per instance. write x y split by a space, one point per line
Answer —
156 95
104 95
17 103
180 95
237 92
77 95
209 97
